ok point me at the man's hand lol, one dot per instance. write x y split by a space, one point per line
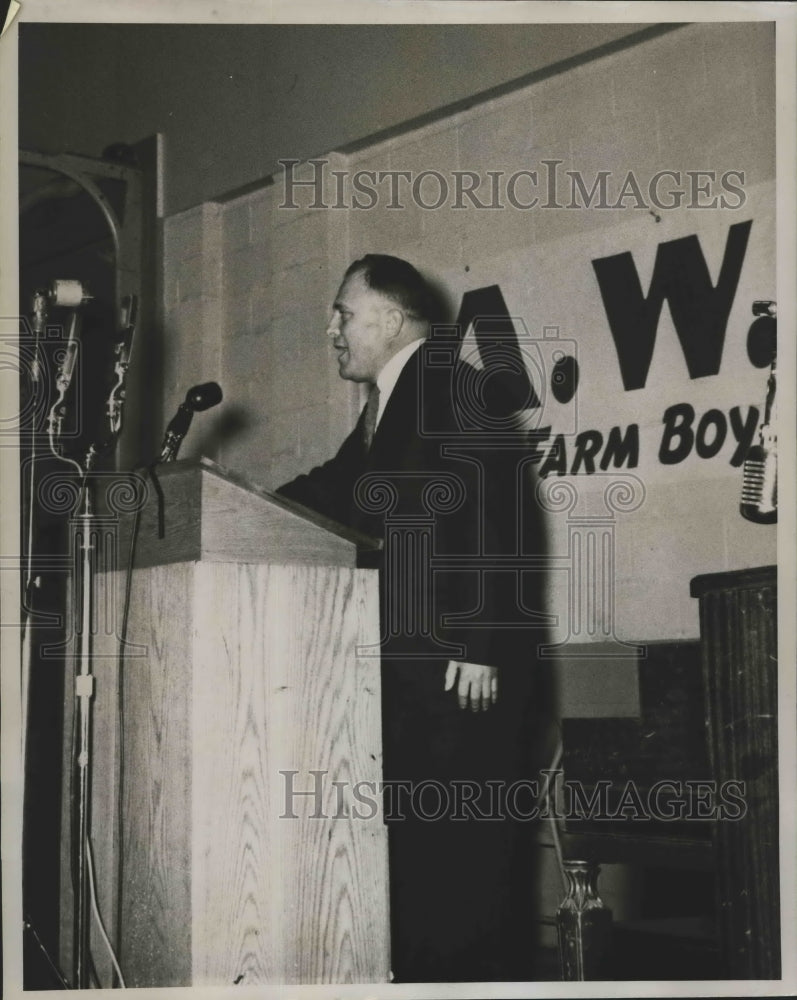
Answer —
477 687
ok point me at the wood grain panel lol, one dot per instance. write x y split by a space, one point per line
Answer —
339 724
336 915
240 671
156 942
242 525
209 514
282 899
234 876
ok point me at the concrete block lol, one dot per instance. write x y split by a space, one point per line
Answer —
301 239
183 233
620 144
243 431
732 73
212 253
708 117
242 268
171 287
681 535
285 449
554 226
212 337
238 315
285 353
291 386
740 59
746 543
740 149
576 102
664 72
380 228
653 611
299 286
261 214
190 277
182 328
503 126
245 358
264 305
245 280
425 152
550 129
180 374
313 423
487 233
236 225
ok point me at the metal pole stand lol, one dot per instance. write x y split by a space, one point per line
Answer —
84 689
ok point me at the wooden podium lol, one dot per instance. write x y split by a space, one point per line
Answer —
249 722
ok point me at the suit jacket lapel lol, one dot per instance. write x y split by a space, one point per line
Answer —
399 423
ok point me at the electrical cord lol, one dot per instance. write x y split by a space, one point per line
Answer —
118 976
120 706
97 916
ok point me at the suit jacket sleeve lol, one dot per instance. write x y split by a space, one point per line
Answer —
328 488
478 598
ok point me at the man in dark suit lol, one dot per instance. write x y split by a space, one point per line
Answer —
454 686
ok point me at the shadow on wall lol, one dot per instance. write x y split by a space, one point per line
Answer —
220 429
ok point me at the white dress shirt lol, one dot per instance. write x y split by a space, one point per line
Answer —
387 378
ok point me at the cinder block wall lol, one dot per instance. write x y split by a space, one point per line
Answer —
248 286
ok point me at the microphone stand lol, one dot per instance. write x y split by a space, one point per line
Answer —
39 311
84 689
87 544
68 294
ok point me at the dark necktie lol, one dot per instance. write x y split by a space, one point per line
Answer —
369 421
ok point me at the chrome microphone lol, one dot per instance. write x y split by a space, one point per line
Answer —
67 294
122 349
63 381
759 502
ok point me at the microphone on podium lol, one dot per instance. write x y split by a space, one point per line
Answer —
198 398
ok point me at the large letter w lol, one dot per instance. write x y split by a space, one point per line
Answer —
699 310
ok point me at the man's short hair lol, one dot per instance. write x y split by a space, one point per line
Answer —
398 281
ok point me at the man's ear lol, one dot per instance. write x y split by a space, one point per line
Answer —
394 321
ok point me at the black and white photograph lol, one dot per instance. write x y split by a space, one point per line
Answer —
399 591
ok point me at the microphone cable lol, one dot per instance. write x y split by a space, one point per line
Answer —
120 708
